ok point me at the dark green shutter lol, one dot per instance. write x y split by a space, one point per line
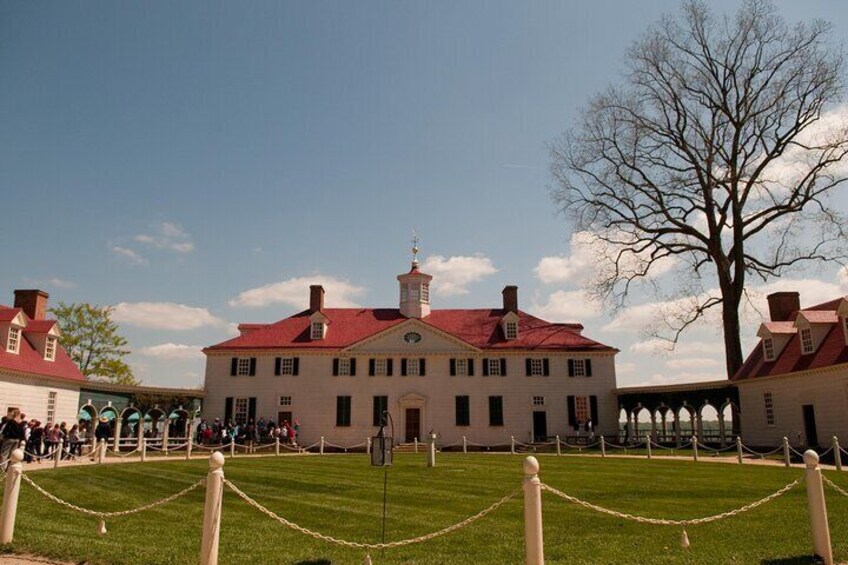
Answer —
422 367
371 370
277 364
389 366
403 367
503 367
353 367
253 366
571 367
485 367
572 413
546 367
528 366
233 366
251 409
588 367
470 367
593 410
228 409
453 367
335 366
296 366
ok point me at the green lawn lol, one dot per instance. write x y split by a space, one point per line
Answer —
341 495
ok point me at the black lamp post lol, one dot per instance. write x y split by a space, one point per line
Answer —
381 445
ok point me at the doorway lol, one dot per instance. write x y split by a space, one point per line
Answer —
810 425
284 417
540 425
413 424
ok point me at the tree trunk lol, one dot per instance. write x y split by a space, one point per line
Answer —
732 341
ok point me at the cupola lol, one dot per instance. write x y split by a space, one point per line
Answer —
415 289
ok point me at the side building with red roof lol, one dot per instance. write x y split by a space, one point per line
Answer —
36 374
482 374
794 384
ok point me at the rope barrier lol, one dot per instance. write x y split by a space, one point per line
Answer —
834 486
752 452
362 545
714 450
672 522
121 455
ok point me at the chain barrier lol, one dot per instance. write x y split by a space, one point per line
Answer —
672 522
104 515
714 450
834 486
762 455
362 545
121 455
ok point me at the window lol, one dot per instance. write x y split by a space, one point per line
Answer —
425 293
538 401
413 292
344 367
579 368
768 403
461 367
243 367
240 406
404 293
50 349
285 401
537 367
343 411
768 349
496 411
14 340
494 366
413 367
463 415
381 406
317 330
511 330
581 409
51 406
287 365
806 341
380 367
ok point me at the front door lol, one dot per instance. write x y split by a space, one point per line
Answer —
810 425
413 424
284 417
540 425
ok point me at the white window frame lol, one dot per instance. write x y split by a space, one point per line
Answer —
461 366
344 366
768 349
413 367
241 405
511 330
538 401
425 293
413 292
285 400
581 409
51 405
579 367
807 345
287 365
243 367
768 405
381 367
317 331
50 349
537 367
494 366
14 343
404 293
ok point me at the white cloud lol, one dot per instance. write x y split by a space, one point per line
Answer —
567 306
294 292
172 351
453 275
680 378
683 348
693 363
129 254
625 368
168 235
164 316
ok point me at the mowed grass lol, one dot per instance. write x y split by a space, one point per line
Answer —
341 496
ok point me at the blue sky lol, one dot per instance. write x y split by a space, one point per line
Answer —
168 158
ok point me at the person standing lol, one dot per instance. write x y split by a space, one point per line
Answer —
13 434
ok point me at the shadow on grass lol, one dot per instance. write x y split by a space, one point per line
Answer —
797 560
315 562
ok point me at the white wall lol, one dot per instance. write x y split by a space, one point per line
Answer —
314 393
30 395
826 390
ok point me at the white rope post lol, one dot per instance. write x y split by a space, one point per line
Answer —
415 441
648 444
143 449
10 496
464 445
277 446
817 508
534 547
368 445
57 454
189 444
695 448
212 510
559 446
512 444
739 449
232 447
321 446
603 447
786 455
431 451
837 454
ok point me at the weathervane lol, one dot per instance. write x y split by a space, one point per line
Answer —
414 249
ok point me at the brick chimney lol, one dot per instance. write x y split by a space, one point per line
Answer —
32 302
316 298
782 304
510 298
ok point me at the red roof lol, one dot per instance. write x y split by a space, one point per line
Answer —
347 326
39 326
831 351
29 359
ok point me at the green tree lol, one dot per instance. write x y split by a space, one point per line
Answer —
91 339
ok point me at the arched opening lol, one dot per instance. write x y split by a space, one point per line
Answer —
110 415
623 426
641 423
178 422
664 432
154 421
86 419
708 424
685 423
729 418
130 424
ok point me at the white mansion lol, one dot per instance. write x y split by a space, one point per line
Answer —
486 374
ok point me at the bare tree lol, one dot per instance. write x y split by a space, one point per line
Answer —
716 154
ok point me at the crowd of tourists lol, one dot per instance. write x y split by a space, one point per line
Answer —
40 441
261 432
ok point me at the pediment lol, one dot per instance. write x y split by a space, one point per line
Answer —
410 338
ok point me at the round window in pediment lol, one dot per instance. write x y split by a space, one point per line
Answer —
412 337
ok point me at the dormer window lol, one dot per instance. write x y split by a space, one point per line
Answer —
511 330
768 349
50 349
317 330
14 343
806 341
